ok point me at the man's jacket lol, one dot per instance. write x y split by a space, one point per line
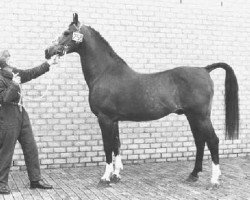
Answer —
10 91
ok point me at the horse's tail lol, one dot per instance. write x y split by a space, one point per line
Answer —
231 100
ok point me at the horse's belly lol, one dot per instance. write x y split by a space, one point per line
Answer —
145 114
138 118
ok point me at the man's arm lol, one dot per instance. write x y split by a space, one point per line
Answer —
29 74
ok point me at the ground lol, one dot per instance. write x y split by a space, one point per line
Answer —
140 181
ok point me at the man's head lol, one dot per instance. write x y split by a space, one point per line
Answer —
5 55
4 58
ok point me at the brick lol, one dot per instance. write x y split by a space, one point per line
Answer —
149 151
72 160
85 159
133 157
54 155
138 141
47 161
161 150
91 154
155 145
182 149
72 149
53 144
144 146
47 150
129 152
98 159
59 161
61 149
144 156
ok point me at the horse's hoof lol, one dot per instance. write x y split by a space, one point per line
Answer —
191 178
114 178
104 183
214 186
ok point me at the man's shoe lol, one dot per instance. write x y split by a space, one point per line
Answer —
4 189
40 184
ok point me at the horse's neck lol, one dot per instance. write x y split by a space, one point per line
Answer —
97 57
94 63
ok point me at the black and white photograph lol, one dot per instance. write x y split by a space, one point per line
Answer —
124 100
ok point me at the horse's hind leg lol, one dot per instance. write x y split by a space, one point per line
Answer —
213 146
203 131
197 129
118 161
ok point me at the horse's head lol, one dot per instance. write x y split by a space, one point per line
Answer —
68 42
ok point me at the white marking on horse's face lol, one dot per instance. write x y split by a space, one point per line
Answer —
108 172
215 173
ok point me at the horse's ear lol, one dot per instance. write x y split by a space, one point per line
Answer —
75 19
76 16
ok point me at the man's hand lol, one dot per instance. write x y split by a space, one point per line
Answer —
16 78
53 60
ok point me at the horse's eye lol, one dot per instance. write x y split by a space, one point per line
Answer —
66 33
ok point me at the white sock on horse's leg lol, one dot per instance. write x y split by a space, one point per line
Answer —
118 165
215 173
108 172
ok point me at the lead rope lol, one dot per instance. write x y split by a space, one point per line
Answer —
22 97
20 102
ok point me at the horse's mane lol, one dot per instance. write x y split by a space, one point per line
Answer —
112 53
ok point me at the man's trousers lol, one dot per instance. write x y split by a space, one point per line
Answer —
15 125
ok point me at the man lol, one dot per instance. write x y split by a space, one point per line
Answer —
15 124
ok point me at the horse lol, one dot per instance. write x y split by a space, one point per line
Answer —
118 93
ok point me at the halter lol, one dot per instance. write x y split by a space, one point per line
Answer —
77 36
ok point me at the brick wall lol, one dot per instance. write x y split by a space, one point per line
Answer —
150 35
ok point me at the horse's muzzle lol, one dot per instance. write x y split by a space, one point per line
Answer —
54 50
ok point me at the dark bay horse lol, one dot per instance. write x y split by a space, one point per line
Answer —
118 93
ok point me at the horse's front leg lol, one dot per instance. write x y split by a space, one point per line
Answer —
106 125
116 177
